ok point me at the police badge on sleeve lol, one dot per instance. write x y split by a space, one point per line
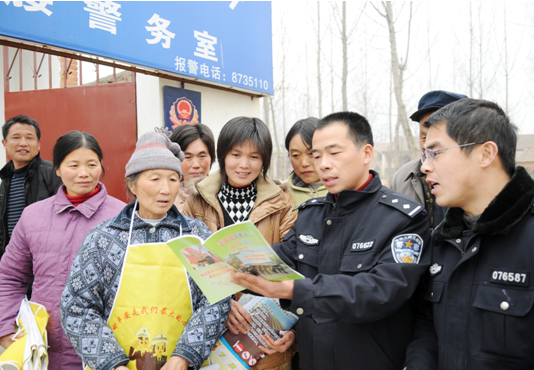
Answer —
407 248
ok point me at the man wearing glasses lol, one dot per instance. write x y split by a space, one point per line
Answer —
409 179
480 284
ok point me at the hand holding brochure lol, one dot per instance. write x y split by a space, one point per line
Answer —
240 351
239 247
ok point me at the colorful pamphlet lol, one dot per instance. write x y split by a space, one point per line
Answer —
241 351
239 247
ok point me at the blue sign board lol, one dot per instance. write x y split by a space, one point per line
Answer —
226 42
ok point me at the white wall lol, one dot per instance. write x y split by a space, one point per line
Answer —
218 106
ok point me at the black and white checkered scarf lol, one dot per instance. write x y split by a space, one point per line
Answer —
238 202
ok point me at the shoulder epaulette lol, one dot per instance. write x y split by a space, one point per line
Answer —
407 206
312 202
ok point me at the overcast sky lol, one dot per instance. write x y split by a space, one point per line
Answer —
447 39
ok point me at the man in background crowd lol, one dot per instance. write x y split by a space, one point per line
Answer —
409 179
26 178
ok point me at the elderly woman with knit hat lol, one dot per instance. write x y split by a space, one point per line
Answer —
125 278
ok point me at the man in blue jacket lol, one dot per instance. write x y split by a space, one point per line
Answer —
481 287
362 251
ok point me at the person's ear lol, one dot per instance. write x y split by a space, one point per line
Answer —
367 153
487 153
132 189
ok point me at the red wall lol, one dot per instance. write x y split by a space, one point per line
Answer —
106 111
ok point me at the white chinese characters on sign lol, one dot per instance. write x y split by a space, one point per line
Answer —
204 70
159 31
33 6
180 64
205 48
216 73
193 66
104 15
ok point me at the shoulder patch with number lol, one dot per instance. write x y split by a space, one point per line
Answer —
407 248
308 239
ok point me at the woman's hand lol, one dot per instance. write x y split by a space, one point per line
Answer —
281 345
6 340
239 319
176 363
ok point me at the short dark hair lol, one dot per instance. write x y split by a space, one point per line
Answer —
240 130
21 119
359 128
475 120
305 128
73 140
184 135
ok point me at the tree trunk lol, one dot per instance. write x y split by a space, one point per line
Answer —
344 43
398 71
319 88
279 157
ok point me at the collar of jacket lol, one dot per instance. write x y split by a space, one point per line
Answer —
416 170
209 187
9 168
87 208
173 219
347 199
504 211
294 178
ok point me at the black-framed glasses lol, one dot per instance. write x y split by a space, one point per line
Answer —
429 154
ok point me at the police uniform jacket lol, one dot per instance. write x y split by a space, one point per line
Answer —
362 256
481 287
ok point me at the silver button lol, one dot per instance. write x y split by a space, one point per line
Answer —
432 295
300 311
301 256
505 305
152 230
328 222
458 240
474 249
359 266
384 196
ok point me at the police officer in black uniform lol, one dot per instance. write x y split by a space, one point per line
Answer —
362 251
481 287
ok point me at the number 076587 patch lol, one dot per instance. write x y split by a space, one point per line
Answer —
510 277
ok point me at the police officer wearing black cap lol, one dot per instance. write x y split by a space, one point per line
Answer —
362 251
409 179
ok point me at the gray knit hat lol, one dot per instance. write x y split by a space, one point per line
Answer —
155 150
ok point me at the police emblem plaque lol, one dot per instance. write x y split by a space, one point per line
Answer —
407 248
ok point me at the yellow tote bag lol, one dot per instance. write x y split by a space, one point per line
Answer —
30 351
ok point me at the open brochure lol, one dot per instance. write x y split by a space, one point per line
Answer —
239 247
241 351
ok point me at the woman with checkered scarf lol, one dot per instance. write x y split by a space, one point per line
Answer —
240 191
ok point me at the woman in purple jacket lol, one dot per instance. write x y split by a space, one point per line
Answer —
47 238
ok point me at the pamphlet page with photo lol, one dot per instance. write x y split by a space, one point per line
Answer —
239 247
